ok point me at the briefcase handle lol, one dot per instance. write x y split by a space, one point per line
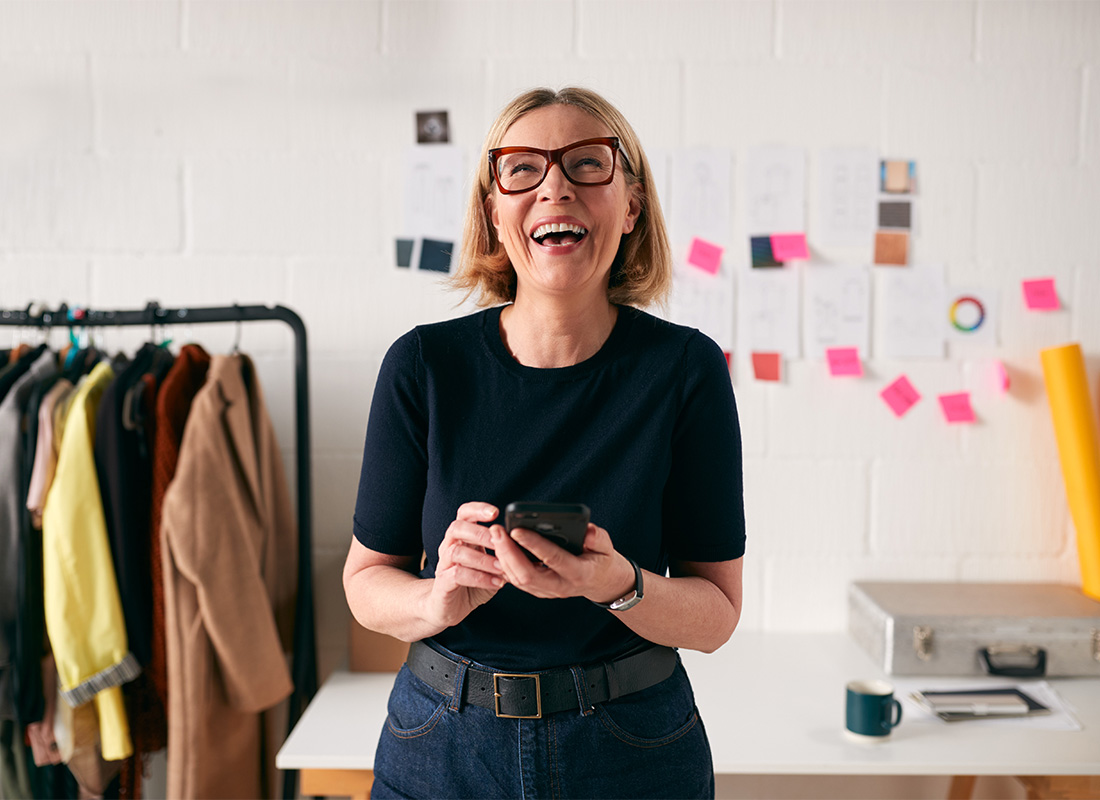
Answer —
1035 670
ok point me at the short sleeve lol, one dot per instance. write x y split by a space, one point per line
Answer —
704 508
395 460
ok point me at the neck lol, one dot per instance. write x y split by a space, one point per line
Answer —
548 334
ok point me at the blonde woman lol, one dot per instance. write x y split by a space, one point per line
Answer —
555 674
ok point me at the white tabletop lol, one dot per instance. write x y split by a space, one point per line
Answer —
773 703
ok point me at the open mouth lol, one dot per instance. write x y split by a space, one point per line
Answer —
558 234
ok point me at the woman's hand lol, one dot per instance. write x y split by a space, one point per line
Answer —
599 573
466 576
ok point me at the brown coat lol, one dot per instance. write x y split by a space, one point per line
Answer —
230 555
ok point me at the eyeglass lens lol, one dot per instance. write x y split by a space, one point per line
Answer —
589 164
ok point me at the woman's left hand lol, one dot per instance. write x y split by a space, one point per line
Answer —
599 573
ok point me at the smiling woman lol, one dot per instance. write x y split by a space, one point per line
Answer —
534 670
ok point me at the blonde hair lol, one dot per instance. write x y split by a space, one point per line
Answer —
642 271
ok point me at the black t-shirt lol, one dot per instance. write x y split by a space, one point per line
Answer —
644 432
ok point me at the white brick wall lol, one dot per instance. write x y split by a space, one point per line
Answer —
209 152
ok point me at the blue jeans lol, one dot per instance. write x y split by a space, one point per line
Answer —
647 744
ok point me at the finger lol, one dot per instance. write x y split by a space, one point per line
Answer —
475 558
469 532
477 512
475 578
597 540
539 546
518 568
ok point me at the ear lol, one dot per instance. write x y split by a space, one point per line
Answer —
633 208
492 214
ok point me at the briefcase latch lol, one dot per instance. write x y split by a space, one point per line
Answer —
922 641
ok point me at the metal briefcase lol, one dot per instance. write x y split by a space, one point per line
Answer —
1021 630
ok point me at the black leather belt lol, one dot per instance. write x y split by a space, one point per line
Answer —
532 695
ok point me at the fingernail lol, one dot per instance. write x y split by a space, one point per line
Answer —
497 582
497 564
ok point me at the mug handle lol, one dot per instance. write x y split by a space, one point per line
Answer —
897 708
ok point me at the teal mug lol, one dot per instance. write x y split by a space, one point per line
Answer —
873 711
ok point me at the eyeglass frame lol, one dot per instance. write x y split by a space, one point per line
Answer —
554 157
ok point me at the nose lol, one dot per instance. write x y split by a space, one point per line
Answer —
555 186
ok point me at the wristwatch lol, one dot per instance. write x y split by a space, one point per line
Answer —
630 599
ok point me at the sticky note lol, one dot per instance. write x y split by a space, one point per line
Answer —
844 361
705 255
787 246
767 366
762 256
892 248
956 407
1040 295
900 396
898 177
1000 376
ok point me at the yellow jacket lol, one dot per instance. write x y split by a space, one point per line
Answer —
83 612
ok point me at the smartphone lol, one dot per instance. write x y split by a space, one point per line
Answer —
565 524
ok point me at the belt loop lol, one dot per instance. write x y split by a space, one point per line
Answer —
459 691
612 673
580 682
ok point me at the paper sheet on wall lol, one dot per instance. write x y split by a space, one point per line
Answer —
767 312
699 197
704 301
847 195
910 324
434 202
698 207
775 186
837 311
970 315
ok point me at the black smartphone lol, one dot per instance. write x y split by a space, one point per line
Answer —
565 524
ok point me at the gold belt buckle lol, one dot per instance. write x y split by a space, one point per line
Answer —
538 695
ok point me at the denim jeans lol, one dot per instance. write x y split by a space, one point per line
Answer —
647 744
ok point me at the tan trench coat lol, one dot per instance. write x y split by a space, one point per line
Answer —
229 548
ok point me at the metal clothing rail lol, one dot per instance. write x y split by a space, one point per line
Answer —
304 667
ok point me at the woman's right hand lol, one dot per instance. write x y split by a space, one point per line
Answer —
466 575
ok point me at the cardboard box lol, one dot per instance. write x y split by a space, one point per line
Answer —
369 651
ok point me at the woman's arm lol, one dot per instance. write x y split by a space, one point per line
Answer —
386 594
697 607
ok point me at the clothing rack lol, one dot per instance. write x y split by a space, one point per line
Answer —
304 669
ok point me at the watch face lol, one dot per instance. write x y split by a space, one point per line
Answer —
626 602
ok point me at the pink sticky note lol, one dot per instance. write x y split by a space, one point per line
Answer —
1040 295
788 246
844 361
1000 376
900 396
705 255
767 366
956 407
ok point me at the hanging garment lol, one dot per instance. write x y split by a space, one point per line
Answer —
173 404
12 501
83 613
230 555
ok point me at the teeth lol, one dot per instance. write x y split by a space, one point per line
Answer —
558 227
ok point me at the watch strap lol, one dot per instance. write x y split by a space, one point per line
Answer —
630 599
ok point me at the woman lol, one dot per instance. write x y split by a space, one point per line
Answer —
552 676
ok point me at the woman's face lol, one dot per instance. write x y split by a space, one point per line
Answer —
562 264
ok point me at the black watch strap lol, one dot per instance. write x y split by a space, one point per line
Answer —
630 599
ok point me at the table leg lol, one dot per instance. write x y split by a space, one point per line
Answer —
961 788
353 783
1061 787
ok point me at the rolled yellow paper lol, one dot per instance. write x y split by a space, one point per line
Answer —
1079 450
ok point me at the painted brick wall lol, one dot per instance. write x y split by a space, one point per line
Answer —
205 152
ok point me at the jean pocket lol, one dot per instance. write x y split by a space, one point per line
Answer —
652 717
414 707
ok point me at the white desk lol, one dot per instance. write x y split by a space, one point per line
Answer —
772 703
